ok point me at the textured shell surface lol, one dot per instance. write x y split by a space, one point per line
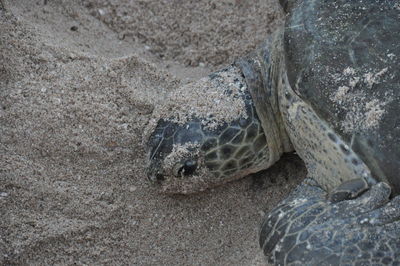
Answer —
343 60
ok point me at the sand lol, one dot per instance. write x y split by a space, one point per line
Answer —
79 81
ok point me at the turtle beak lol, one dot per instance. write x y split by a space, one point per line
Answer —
154 146
155 178
153 172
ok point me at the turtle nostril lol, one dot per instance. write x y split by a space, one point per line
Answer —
156 177
159 177
188 168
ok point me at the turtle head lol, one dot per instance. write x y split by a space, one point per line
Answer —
190 157
193 155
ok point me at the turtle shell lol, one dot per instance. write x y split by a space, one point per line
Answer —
343 58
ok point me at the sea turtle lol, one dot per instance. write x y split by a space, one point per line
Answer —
327 85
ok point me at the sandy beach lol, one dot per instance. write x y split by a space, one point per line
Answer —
79 81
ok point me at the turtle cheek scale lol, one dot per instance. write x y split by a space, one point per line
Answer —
236 155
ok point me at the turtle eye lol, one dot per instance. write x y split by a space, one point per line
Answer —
187 169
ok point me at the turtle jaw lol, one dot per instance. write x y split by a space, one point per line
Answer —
154 174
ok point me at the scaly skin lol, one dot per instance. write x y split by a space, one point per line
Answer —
308 229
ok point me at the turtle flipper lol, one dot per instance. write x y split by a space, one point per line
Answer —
307 228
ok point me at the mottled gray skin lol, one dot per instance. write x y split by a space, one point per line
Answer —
347 212
307 229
